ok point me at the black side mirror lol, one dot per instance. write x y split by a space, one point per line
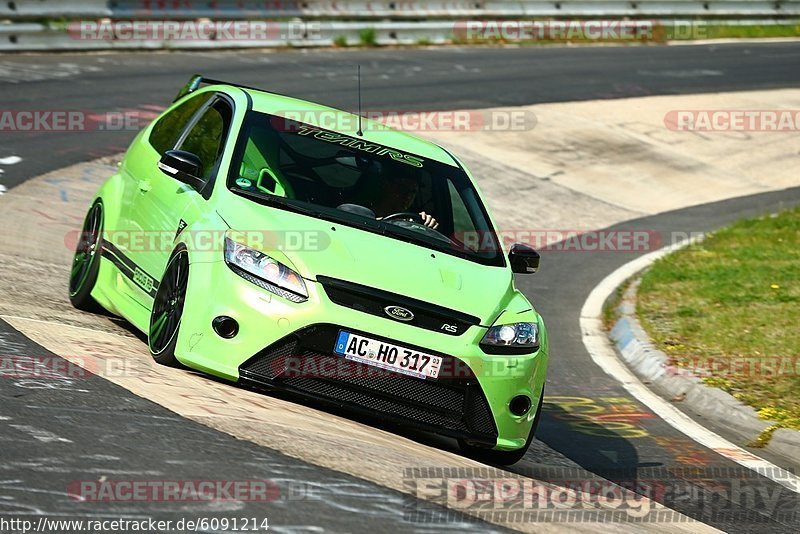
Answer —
183 166
523 259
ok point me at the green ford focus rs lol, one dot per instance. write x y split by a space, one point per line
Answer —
280 243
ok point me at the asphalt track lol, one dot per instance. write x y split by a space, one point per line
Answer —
415 80
147 440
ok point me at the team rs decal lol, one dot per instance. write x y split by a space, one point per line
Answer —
359 144
143 280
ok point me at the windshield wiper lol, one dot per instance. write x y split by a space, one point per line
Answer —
274 200
301 208
418 238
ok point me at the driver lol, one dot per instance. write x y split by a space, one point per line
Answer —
395 192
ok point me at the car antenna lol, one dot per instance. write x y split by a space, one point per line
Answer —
360 133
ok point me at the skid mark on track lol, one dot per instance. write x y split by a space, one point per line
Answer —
19 72
8 160
40 434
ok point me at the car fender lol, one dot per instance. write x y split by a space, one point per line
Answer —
204 237
110 193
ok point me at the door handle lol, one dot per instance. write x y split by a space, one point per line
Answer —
144 186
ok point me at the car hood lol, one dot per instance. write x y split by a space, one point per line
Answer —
316 247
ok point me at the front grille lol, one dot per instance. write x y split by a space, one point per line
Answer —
374 301
303 362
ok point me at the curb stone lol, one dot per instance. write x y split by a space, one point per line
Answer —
653 366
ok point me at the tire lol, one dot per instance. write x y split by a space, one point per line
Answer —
491 456
165 318
86 261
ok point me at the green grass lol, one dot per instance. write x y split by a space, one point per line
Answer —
752 31
368 37
610 311
340 41
731 306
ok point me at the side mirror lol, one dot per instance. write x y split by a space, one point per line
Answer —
183 166
523 259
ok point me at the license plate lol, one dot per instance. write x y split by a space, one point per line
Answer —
387 356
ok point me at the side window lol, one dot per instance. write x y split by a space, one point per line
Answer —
206 139
166 131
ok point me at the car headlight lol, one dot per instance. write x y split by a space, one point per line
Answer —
264 271
512 338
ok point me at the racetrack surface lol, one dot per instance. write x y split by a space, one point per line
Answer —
426 79
463 79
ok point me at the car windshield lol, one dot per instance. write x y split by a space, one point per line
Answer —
360 183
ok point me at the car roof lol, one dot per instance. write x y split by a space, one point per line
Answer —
320 116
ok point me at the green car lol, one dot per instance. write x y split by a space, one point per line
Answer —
283 244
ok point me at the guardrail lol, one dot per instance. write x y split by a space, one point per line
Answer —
33 37
40 37
38 9
338 22
18 10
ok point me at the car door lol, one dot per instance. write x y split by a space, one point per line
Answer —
138 169
165 206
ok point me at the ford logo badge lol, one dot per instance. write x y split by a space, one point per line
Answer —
399 313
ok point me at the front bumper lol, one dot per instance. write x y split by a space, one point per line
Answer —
302 362
471 403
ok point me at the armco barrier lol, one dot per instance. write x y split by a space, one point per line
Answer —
32 37
22 37
69 9
555 8
19 10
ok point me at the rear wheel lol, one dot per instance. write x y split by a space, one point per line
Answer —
86 261
165 319
491 456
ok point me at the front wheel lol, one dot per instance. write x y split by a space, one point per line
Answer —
165 319
491 456
86 261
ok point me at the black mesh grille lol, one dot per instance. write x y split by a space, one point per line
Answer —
388 383
272 366
452 404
